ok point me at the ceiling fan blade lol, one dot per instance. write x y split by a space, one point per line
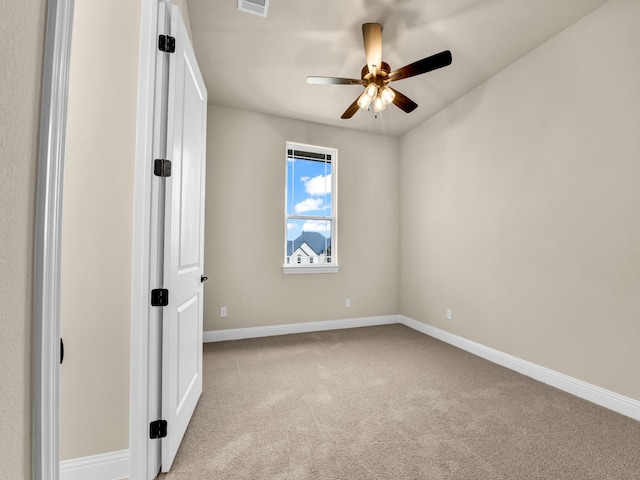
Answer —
334 81
425 65
372 36
403 102
353 108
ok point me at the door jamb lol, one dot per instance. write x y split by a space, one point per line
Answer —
143 236
46 286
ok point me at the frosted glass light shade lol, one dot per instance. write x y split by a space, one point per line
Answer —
378 104
371 91
387 95
364 101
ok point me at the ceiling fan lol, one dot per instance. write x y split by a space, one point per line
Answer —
376 75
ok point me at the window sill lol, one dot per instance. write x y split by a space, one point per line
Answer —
289 269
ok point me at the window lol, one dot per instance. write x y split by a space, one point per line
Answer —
310 209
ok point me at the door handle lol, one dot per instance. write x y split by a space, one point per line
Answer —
203 278
61 351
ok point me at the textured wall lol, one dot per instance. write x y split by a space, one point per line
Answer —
245 224
520 203
23 27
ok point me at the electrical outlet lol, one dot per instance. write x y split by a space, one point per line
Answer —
223 311
448 314
348 303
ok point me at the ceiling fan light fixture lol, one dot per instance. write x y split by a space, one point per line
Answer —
371 91
364 101
378 104
387 95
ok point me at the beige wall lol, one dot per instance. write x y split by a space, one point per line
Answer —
98 229
23 26
245 224
520 207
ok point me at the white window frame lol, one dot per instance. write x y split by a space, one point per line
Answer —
309 268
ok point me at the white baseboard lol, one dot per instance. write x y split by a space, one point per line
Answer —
106 466
600 396
592 393
272 330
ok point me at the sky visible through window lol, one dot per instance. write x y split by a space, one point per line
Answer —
308 195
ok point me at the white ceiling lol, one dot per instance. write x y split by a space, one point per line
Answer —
261 64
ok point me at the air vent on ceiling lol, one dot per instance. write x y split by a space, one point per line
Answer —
257 7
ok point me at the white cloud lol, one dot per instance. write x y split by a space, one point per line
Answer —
291 226
304 179
315 226
309 205
318 185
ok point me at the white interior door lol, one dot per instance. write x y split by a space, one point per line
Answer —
184 241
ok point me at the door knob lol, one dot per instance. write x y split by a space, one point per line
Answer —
203 278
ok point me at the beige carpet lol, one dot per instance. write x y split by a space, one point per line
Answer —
390 403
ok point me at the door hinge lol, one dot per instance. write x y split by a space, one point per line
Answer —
159 297
162 168
166 43
158 429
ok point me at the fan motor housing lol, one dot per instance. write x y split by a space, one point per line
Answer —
380 77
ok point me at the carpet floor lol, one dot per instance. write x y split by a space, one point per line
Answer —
390 403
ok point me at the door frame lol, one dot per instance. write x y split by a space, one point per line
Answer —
46 294
145 237
46 283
